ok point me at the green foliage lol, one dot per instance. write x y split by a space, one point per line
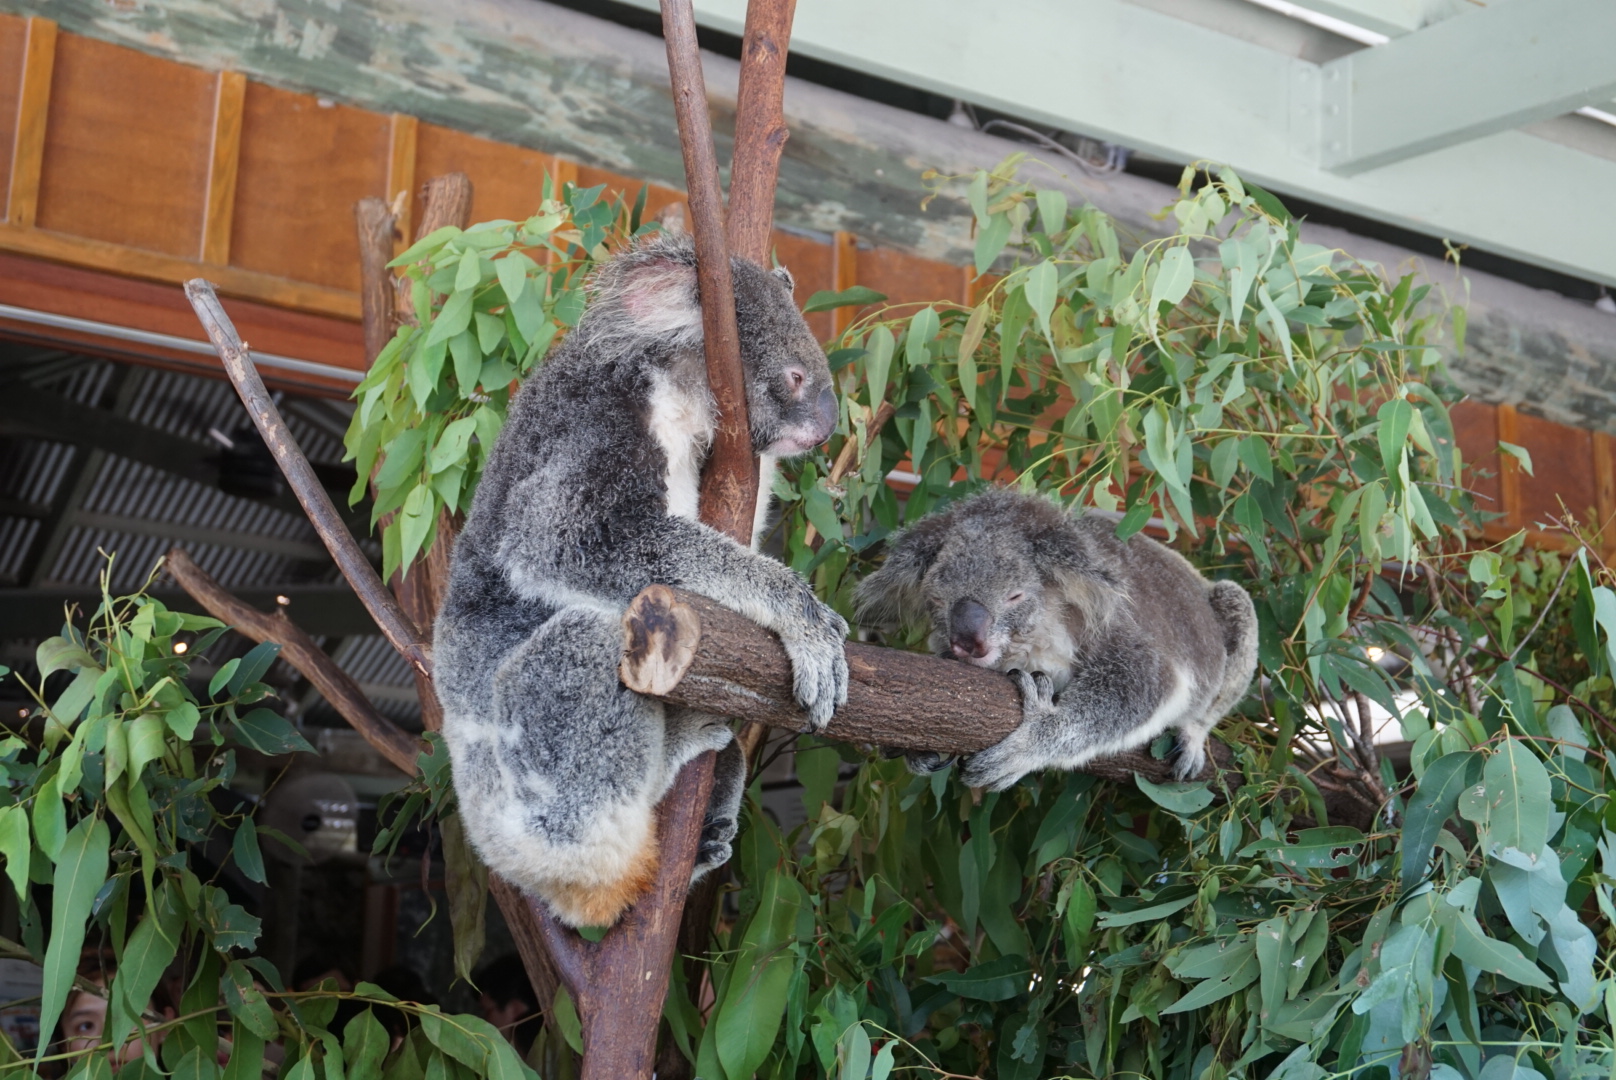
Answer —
487 303
119 772
1279 413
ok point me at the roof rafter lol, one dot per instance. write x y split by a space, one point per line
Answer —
1465 78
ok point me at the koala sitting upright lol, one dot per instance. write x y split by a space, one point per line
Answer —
1111 642
588 497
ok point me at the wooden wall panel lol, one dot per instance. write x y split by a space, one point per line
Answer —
127 148
506 181
810 264
1475 425
302 168
13 32
908 278
1562 471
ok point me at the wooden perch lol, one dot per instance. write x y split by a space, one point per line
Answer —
400 631
298 649
688 650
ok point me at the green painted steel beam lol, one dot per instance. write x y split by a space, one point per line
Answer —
1125 73
1496 69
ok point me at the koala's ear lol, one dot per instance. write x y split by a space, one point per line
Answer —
658 294
1068 564
785 275
893 593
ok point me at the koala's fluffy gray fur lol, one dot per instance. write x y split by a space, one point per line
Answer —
1111 642
588 497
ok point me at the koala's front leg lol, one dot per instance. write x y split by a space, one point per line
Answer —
1025 749
774 596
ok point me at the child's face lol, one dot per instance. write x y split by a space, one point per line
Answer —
85 1021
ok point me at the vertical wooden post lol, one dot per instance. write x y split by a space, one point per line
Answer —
1509 470
228 105
446 201
401 136
33 110
1605 490
844 275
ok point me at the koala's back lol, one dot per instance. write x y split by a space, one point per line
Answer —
1163 598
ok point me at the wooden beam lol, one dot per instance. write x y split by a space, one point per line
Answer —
169 269
223 161
33 111
401 140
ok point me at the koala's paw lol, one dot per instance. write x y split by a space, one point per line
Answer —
926 762
818 661
709 857
1037 693
714 850
1189 756
1000 765
1013 757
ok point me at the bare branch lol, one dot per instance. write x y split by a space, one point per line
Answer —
299 650
401 632
729 480
760 127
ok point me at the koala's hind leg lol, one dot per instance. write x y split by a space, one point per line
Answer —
721 823
1238 619
561 796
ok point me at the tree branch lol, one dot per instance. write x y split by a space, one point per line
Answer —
730 478
299 650
401 632
760 127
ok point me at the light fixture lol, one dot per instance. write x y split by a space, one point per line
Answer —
1374 652
283 600
181 648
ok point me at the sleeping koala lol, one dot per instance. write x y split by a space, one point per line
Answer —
1111 642
588 497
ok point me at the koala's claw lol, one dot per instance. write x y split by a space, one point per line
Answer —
818 664
926 762
1037 692
1189 758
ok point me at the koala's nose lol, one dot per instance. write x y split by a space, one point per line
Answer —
827 413
968 625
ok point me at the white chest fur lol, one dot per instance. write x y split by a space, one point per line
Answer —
682 424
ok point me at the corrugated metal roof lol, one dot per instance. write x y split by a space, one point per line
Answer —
243 543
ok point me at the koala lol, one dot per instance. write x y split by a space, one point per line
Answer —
589 496
1111 642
